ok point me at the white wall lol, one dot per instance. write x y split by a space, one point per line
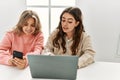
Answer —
10 10
102 22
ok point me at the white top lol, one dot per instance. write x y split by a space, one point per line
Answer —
95 71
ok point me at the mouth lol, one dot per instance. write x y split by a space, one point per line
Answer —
28 31
65 28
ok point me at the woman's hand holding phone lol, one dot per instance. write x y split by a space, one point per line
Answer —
18 60
20 63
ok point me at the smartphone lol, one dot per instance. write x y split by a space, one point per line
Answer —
17 54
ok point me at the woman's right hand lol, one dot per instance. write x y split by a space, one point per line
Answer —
20 63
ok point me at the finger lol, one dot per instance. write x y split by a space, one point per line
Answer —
19 60
20 65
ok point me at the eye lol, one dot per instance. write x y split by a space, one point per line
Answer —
63 20
33 25
69 21
25 24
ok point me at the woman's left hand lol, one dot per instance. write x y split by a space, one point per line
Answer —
20 63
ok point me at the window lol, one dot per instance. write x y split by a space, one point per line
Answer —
49 12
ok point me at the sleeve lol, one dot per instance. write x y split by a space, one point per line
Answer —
39 43
5 46
38 46
88 53
49 48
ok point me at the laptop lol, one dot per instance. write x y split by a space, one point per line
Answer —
53 67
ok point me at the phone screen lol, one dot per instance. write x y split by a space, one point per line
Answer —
17 54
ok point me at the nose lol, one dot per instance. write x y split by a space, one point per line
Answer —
65 23
28 27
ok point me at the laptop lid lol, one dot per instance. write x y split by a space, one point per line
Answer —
53 67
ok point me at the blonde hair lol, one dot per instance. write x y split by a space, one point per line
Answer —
23 19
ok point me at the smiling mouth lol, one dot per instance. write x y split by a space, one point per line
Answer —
28 31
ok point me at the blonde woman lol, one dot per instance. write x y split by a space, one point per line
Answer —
26 37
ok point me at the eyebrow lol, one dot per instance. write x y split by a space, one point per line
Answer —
68 18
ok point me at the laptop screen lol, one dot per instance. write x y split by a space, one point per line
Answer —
53 67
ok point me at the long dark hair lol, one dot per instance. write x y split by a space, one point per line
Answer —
60 40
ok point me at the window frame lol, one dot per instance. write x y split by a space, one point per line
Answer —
49 7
